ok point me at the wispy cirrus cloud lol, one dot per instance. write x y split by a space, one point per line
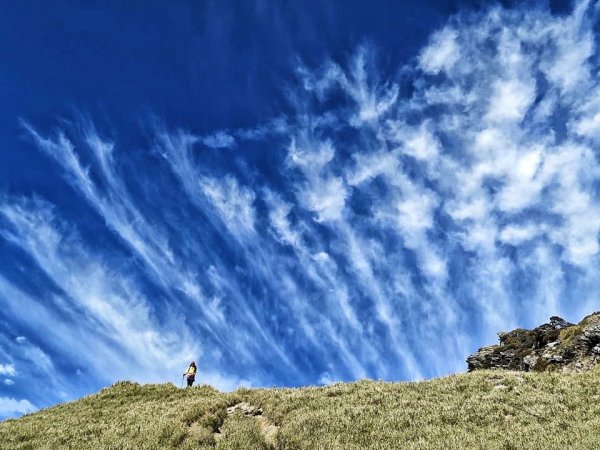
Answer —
102 304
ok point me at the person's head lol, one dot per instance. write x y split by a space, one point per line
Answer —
193 363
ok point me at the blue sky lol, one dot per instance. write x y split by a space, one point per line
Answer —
289 193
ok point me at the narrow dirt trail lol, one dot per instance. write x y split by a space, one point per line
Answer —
267 428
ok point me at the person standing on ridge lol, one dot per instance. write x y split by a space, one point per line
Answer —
191 374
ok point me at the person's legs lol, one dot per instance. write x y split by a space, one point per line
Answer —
190 381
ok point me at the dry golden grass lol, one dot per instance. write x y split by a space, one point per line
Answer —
481 410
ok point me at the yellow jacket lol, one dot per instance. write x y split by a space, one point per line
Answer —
191 370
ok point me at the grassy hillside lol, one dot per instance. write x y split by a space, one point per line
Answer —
480 410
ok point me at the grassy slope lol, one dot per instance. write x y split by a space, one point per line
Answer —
483 410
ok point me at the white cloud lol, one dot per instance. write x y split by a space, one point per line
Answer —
369 166
10 406
422 145
233 202
567 61
510 100
518 234
279 219
442 52
415 213
219 140
311 159
8 369
327 380
325 197
588 126
8 382
323 194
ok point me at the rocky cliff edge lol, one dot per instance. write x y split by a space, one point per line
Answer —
554 346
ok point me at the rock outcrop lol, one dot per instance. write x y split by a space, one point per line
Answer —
266 427
557 345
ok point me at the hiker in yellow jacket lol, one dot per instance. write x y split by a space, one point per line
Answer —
191 374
